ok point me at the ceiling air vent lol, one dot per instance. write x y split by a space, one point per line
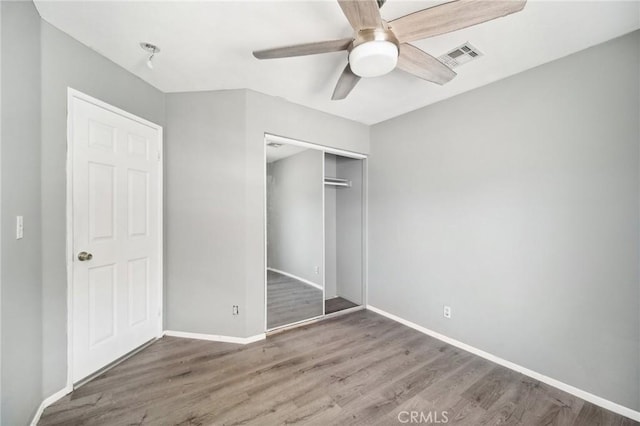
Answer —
460 55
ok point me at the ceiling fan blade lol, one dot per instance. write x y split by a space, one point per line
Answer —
450 17
421 64
345 85
362 13
304 49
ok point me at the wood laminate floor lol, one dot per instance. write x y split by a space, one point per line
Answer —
290 300
336 304
356 369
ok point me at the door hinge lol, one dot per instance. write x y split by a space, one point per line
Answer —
159 157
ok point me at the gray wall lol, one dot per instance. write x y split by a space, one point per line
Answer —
215 184
205 212
349 217
330 257
295 225
517 204
21 345
67 63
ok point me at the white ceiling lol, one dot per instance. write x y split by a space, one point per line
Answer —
208 45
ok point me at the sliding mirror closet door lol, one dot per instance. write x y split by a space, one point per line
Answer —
344 219
295 234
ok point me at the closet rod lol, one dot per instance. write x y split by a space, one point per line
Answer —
337 182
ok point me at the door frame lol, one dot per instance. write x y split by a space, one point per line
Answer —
269 137
73 94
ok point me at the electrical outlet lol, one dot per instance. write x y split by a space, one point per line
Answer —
317 269
236 310
447 312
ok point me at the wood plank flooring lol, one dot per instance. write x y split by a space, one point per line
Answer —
336 304
290 300
356 369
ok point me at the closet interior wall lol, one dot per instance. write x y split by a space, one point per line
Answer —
344 229
330 258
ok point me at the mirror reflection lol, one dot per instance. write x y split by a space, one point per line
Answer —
295 272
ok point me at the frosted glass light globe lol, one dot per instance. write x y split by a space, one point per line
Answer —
373 58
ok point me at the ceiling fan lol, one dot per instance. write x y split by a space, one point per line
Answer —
378 46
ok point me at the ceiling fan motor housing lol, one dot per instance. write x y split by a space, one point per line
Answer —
374 52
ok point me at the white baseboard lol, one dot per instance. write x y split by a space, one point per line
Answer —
48 401
295 277
216 338
594 399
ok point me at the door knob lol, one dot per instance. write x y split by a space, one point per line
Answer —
83 255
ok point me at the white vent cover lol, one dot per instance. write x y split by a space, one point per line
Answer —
460 55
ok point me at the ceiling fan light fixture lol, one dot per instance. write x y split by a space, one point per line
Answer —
373 58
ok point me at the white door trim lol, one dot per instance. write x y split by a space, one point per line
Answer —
281 139
268 137
75 94
365 231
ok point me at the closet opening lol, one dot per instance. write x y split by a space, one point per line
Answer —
315 232
344 213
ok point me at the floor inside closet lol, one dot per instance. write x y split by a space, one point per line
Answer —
337 304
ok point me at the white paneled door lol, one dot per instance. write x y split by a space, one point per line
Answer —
116 234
